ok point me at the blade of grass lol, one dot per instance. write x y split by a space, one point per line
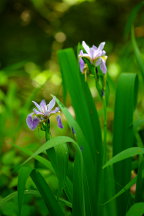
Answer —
137 53
130 152
6 199
78 186
61 164
136 210
53 142
88 162
47 195
140 181
24 173
123 136
86 116
123 190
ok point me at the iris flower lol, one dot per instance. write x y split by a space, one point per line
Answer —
42 113
96 56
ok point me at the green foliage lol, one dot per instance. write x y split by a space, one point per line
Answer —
68 174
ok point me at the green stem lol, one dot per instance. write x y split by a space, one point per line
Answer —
105 130
47 131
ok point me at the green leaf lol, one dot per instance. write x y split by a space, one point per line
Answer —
61 164
6 199
53 142
89 183
136 210
123 134
130 152
123 190
24 173
47 195
39 158
140 181
137 53
78 203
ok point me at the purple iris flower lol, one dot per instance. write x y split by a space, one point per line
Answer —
42 112
96 55
82 65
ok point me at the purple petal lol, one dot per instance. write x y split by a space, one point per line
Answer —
55 110
94 47
82 64
81 53
92 53
98 62
37 112
37 105
59 122
43 106
32 122
51 104
103 66
86 47
101 46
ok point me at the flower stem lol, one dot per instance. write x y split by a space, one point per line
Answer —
105 130
47 130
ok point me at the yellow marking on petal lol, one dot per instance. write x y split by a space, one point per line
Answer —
104 58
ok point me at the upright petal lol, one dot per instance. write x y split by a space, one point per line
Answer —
81 53
60 125
51 104
86 47
37 105
32 122
101 46
43 106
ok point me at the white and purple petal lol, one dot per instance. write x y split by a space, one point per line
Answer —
103 66
101 46
86 47
60 125
51 105
37 112
54 111
43 106
32 121
82 64
98 62
37 105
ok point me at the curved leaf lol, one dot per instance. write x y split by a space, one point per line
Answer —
136 210
130 152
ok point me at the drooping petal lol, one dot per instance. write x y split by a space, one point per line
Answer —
60 125
101 46
54 111
82 64
98 62
37 112
32 122
51 104
103 66
37 105
86 47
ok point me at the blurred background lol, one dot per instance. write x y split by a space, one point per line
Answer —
32 31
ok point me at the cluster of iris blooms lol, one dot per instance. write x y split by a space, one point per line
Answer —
90 59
